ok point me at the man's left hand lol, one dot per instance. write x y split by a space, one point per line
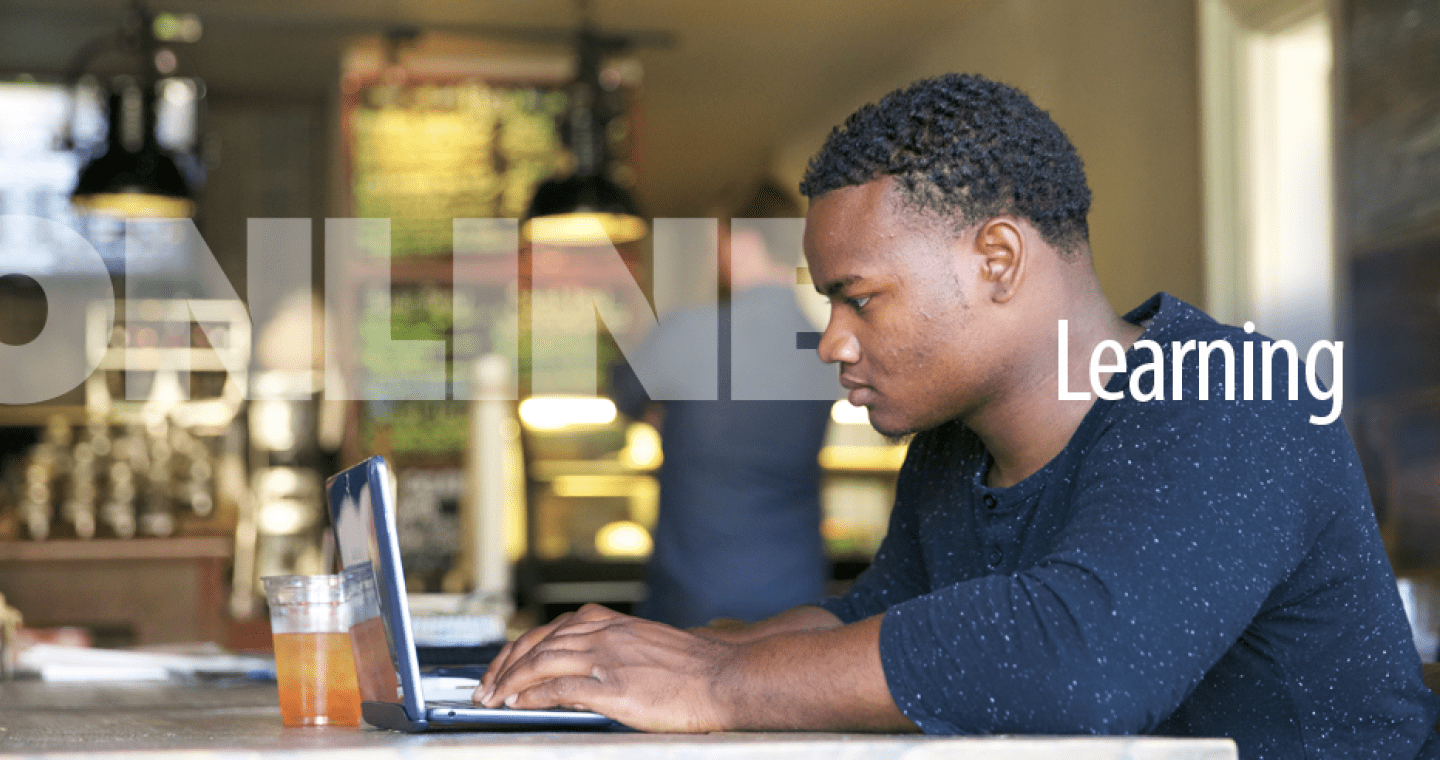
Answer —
644 674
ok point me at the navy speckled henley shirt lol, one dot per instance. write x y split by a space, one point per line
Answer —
1183 567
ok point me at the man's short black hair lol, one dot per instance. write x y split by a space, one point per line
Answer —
964 148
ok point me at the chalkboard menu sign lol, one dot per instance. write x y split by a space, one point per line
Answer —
426 141
425 154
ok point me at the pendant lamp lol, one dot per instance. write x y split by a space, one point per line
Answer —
586 207
134 177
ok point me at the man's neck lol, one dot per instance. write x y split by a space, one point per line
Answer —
1031 425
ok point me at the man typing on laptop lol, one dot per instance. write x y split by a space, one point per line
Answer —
1147 559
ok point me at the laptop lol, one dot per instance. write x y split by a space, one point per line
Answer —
392 690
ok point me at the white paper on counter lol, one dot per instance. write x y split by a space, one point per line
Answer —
62 663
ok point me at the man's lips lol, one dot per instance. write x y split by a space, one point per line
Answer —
860 393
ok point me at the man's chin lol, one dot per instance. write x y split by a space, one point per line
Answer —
892 431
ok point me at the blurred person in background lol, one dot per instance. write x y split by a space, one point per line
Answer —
738 531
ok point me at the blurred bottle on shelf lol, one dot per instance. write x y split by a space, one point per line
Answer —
99 480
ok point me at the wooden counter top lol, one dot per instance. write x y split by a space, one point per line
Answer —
242 720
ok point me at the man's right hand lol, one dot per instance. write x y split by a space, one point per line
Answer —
644 674
801 670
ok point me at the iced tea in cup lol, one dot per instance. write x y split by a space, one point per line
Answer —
310 621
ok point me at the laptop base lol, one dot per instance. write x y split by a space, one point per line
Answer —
458 718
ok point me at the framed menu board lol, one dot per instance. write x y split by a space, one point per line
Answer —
437 139
425 153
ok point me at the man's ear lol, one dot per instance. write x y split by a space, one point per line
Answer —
1001 243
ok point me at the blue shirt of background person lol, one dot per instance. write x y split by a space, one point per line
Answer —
738 530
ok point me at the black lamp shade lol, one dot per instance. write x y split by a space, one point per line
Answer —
146 183
583 209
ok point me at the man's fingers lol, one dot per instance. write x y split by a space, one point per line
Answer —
540 664
586 620
646 675
513 651
492 672
587 693
577 692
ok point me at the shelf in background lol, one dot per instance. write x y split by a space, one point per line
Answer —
152 590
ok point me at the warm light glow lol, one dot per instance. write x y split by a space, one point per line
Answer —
272 427
600 486
862 457
559 412
213 413
283 517
834 529
279 481
180 92
642 447
135 205
584 229
846 414
623 538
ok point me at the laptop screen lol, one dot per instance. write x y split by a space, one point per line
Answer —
360 500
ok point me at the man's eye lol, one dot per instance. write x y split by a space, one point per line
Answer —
858 303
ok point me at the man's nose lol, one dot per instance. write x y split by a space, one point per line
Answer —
838 345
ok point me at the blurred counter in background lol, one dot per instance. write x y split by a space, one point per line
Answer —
141 591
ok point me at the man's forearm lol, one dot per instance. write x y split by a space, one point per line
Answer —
813 678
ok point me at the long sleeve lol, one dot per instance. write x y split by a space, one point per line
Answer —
1172 549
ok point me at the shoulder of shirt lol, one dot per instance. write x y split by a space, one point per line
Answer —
1173 322
1172 319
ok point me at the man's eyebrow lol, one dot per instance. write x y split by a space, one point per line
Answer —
835 286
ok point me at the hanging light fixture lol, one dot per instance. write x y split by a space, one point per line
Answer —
587 207
583 209
134 177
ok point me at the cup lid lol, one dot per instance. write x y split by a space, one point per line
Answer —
303 589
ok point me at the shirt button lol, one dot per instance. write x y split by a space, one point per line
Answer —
990 501
995 556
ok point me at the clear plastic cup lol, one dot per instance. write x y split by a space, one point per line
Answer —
314 665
